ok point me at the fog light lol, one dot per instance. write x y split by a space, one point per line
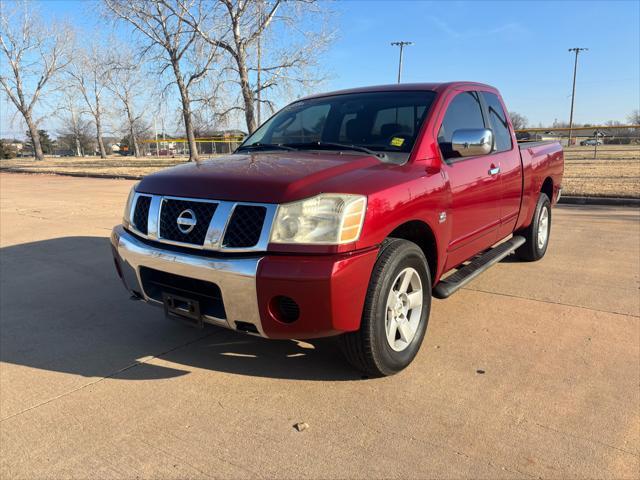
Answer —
285 309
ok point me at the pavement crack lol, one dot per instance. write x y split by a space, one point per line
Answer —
111 375
175 457
450 448
577 437
479 290
180 459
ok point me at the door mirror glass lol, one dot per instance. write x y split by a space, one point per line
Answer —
471 142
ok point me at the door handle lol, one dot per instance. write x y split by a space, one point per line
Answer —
494 170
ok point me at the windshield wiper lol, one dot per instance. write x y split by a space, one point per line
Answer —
336 146
265 146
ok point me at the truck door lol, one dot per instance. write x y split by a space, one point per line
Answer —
475 192
507 157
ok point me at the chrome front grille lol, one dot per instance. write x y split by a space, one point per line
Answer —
244 226
202 224
169 213
141 213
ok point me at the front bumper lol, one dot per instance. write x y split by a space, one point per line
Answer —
328 289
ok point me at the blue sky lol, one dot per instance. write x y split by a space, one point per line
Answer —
519 47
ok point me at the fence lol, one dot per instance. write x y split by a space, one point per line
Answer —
585 136
172 147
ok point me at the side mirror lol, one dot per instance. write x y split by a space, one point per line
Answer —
471 142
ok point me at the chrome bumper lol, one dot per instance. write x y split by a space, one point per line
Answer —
235 277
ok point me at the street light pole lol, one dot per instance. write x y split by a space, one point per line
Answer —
258 82
573 90
401 44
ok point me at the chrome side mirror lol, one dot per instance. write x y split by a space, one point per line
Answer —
470 142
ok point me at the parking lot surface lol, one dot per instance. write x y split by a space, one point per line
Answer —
533 370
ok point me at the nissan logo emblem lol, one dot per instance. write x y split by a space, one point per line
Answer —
186 221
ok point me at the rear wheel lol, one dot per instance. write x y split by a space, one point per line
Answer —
537 234
395 314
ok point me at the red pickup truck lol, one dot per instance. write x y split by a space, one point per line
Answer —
342 215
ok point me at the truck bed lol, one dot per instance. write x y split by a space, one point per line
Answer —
534 143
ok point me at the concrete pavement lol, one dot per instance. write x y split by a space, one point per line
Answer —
94 385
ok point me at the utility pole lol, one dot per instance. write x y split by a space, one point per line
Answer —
597 134
155 129
573 91
400 44
164 138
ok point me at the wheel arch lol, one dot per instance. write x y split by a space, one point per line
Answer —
547 188
420 233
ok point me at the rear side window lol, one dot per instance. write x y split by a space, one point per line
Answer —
498 122
464 111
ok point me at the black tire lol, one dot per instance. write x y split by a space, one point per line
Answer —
531 251
368 349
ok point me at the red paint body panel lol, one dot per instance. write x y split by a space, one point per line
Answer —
540 162
268 177
329 289
330 282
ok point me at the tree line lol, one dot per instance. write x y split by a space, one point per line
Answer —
221 57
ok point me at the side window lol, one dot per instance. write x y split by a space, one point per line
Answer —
498 122
465 111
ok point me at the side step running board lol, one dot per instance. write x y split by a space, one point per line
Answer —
460 278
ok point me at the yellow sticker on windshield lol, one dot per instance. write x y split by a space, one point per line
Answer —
397 141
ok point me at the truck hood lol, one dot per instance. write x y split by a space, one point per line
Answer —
264 177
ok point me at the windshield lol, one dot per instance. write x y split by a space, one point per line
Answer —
383 123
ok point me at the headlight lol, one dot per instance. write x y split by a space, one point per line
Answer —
329 218
126 217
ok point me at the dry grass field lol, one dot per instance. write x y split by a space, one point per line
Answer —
112 166
615 172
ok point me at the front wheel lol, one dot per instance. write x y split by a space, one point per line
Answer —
537 234
395 314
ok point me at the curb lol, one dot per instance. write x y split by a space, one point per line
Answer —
612 201
564 200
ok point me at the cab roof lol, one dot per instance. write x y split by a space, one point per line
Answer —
403 87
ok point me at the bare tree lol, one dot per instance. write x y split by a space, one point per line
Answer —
172 44
74 125
243 41
519 121
76 136
127 83
89 74
35 55
634 117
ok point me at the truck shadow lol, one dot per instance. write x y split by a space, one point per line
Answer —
63 309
